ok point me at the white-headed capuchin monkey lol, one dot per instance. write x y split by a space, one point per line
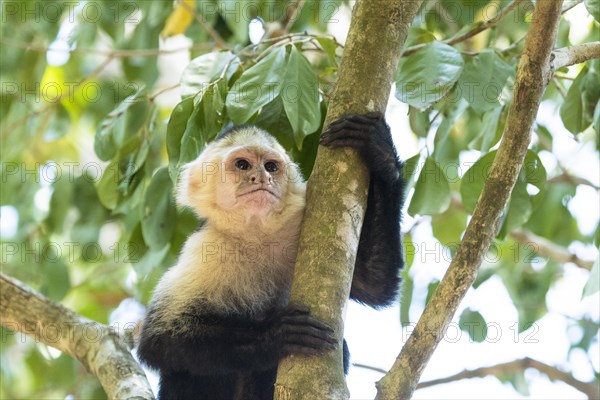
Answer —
219 320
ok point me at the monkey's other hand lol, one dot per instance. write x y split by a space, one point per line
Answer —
299 333
370 136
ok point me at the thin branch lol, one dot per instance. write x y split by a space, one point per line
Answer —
546 248
370 368
541 245
565 177
475 31
100 349
109 53
530 85
591 389
572 55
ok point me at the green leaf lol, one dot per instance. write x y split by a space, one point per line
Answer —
592 286
159 214
406 294
329 46
593 7
410 250
300 95
273 119
417 36
409 171
483 79
205 69
533 171
431 288
56 282
204 123
474 324
119 125
519 209
572 112
490 134
449 226
427 75
432 191
483 274
108 186
419 121
257 86
472 181
175 129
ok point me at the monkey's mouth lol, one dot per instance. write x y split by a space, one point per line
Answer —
258 190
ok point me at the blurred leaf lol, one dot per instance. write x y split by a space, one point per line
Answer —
60 203
257 86
409 171
114 131
329 46
473 180
431 288
593 7
483 274
181 17
419 121
432 191
426 76
406 293
483 79
159 215
474 324
518 211
551 217
205 69
300 95
409 250
56 282
520 207
592 286
572 112
108 186
418 35
489 133
517 381
449 226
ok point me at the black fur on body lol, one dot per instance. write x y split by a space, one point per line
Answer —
219 321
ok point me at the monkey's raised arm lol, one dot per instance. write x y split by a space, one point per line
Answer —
379 257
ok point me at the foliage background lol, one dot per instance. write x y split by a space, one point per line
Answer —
92 141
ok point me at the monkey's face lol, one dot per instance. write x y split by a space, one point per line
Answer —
254 179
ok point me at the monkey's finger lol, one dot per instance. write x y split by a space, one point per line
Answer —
295 308
306 320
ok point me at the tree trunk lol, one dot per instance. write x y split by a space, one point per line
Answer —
337 193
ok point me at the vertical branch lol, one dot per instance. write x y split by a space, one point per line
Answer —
336 196
532 77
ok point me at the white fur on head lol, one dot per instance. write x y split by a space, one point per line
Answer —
204 178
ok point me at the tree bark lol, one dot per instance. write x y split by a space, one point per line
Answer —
532 77
337 193
98 347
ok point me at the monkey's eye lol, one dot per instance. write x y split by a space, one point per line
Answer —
242 164
271 166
